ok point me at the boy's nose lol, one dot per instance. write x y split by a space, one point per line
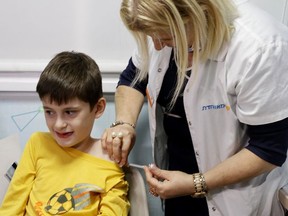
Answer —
60 123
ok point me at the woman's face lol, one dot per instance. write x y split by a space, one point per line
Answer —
161 40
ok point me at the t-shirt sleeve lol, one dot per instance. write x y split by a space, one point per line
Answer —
115 202
262 88
128 75
20 185
269 141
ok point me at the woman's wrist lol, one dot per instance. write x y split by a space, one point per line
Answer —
200 187
120 122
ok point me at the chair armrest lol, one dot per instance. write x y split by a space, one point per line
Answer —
283 196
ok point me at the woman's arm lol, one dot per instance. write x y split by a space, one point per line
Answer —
240 167
267 149
128 103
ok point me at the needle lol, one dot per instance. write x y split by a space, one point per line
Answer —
136 166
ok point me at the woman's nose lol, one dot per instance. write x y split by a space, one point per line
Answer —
158 44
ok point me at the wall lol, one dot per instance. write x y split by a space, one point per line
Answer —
278 8
33 31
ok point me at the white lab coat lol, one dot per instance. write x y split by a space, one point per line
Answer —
247 83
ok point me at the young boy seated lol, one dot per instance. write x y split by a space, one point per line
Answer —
65 171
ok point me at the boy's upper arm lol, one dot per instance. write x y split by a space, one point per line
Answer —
19 187
115 201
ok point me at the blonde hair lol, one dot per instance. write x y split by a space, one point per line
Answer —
209 21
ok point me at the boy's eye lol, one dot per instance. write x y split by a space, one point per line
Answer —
49 112
70 112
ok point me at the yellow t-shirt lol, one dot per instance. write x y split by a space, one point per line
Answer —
51 180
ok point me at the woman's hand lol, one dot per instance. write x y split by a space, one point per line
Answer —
168 184
239 167
118 142
128 104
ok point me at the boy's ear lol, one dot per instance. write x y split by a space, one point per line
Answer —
100 107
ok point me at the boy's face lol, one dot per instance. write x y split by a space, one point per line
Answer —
70 124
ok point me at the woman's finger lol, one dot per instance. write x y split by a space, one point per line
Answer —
117 149
160 174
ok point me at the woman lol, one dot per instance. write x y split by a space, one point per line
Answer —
214 74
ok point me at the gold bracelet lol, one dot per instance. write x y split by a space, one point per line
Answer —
199 185
121 123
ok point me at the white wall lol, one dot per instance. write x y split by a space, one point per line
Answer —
278 8
33 31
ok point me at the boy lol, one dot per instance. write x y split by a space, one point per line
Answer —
66 171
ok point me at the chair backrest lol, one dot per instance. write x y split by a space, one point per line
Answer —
283 196
137 193
10 152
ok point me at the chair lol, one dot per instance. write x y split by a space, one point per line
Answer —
283 197
137 192
10 152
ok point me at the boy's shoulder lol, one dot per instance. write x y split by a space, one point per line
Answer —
98 151
41 138
41 135
42 144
